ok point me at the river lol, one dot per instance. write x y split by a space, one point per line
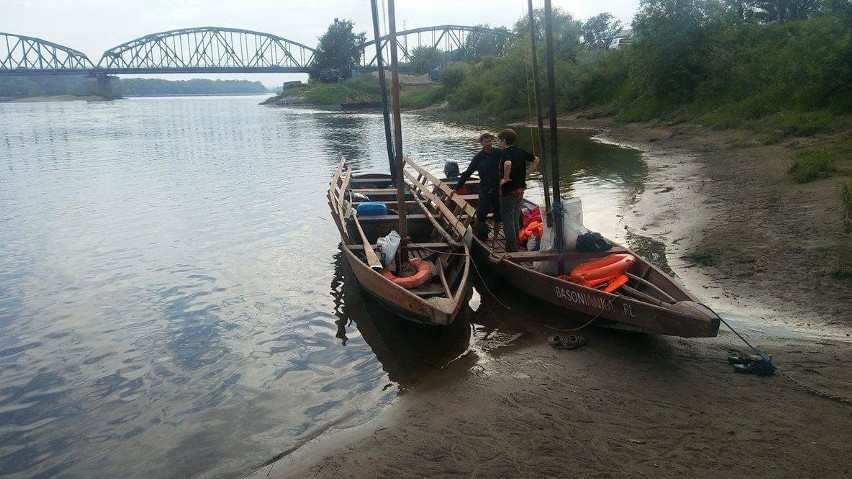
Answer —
172 299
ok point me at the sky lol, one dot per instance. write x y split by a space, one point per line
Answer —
94 26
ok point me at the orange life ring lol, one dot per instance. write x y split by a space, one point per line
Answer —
606 267
423 273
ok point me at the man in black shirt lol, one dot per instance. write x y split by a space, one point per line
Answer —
486 163
516 166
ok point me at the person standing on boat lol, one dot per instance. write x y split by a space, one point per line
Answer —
486 163
516 166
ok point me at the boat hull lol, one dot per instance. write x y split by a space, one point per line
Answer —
401 302
651 301
685 318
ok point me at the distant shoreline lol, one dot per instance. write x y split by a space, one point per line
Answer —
42 99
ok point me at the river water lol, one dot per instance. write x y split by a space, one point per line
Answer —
172 299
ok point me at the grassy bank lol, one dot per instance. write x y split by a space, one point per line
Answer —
361 88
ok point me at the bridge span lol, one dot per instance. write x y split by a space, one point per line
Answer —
220 50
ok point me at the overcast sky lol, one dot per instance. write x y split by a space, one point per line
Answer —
94 26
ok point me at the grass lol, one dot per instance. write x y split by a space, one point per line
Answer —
813 164
423 97
704 258
846 204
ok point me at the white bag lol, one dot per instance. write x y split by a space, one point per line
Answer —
572 227
387 246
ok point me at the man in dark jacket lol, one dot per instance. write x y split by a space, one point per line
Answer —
486 163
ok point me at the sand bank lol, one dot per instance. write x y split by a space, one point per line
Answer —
751 244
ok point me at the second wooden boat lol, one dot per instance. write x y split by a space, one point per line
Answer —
650 301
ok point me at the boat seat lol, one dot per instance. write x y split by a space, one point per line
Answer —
431 289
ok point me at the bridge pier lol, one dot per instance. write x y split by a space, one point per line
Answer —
100 84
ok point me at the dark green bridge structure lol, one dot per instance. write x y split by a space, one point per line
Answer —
223 50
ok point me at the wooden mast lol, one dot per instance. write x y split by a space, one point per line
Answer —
538 115
554 151
397 127
384 86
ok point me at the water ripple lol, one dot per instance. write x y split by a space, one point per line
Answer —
170 291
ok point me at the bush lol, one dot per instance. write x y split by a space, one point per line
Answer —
424 97
452 76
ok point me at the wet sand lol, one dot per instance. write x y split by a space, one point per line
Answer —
633 405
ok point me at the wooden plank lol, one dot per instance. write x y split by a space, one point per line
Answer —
372 258
641 296
387 203
440 266
332 185
449 192
456 224
434 222
336 196
380 218
531 256
339 170
344 184
652 286
375 191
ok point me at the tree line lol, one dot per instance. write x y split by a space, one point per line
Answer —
37 85
728 62
723 62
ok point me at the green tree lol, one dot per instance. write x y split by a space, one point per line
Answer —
566 34
425 58
453 76
840 8
785 10
337 48
670 46
486 43
600 30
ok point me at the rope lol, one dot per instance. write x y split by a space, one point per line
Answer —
805 387
569 330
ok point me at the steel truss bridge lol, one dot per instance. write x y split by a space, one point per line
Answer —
216 50
458 42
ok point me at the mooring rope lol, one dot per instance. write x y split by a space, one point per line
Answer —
768 361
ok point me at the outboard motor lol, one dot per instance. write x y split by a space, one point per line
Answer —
451 169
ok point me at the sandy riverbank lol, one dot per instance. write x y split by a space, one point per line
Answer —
628 405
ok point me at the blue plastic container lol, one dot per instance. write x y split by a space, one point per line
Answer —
372 208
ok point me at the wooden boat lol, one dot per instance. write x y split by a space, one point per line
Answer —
436 235
651 301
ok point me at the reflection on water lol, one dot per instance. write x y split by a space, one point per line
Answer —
408 351
343 135
164 298
607 177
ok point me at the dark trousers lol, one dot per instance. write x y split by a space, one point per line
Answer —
510 211
488 203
